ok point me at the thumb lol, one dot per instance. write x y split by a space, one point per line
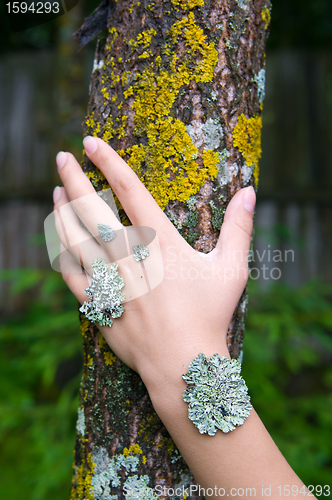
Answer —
236 230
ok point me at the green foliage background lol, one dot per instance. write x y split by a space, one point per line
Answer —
38 404
287 366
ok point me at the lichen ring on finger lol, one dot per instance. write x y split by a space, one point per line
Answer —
106 232
140 252
104 293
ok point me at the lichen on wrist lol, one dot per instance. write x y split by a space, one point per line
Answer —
217 394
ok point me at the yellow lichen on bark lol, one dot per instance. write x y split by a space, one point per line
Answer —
85 324
102 344
170 171
82 487
266 17
247 138
188 4
210 161
109 358
134 449
169 165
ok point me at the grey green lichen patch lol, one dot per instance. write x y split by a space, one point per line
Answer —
233 169
243 4
116 471
191 237
217 394
220 196
173 219
259 79
229 44
97 65
217 215
246 173
80 424
183 485
106 232
191 203
190 222
191 219
140 252
176 456
213 133
223 176
213 95
209 133
104 293
100 459
136 488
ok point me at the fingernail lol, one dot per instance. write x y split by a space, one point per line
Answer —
56 194
90 144
61 159
249 199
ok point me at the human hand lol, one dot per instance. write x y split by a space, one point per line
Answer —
161 331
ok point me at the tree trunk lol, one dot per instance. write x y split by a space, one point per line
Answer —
177 89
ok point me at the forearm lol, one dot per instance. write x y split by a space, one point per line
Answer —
245 460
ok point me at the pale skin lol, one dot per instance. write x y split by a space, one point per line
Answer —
162 331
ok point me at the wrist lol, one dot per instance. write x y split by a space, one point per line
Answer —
164 381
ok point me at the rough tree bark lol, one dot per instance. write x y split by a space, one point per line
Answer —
177 89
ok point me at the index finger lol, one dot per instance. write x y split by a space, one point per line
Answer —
84 199
136 200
